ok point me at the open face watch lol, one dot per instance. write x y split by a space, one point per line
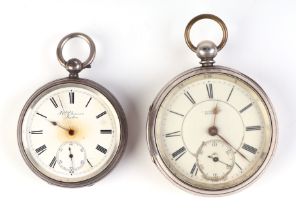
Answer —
72 131
211 130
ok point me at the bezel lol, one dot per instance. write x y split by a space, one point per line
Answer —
151 121
123 131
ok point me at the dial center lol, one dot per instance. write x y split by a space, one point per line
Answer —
208 119
213 131
75 130
215 159
71 132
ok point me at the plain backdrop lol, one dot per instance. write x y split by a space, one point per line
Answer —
140 47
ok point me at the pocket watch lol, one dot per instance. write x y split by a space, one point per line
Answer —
72 131
211 130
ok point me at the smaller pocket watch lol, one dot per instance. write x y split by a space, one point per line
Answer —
72 131
211 130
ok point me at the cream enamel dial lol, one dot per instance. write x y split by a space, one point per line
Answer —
71 133
211 131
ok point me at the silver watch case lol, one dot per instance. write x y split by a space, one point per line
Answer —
152 115
123 131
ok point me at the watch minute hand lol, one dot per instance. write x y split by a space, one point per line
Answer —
233 147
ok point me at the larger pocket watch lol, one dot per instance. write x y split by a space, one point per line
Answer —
211 130
72 131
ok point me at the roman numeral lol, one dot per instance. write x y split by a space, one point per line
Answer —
173 134
36 132
210 90
61 102
41 115
101 149
181 115
71 97
101 115
88 101
230 94
246 107
53 101
253 128
187 94
214 143
106 131
179 153
249 148
194 170
89 163
53 162
41 149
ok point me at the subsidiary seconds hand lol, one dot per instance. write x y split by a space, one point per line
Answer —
72 163
216 159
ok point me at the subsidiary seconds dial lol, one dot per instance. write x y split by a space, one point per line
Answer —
215 159
71 156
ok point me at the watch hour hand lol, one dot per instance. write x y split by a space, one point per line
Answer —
56 124
70 131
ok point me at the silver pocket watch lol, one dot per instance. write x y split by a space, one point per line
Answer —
211 130
72 131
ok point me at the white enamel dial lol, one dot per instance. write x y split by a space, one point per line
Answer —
70 132
213 131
